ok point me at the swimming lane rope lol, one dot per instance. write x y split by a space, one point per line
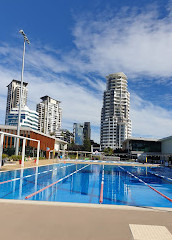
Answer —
140 180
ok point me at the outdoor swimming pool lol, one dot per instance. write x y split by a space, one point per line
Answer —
122 185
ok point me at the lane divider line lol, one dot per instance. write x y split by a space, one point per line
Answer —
158 175
146 184
15 179
102 187
42 189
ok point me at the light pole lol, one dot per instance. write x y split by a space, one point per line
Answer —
21 88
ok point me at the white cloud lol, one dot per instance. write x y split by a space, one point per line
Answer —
40 59
150 120
137 44
79 103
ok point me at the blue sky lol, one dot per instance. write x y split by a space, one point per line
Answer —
76 43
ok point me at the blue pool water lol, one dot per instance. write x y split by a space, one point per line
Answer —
82 183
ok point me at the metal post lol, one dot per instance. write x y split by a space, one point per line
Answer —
33 152
21 183
23 151
20 103
1 148
38 147
92 148
36 178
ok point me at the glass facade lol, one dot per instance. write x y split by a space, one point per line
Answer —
78 133
145 146
29 118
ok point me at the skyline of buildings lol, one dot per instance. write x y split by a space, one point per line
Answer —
46 119
115 122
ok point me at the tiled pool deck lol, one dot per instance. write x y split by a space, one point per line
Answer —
51 220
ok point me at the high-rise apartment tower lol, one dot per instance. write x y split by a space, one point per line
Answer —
115 121
13 96
50 115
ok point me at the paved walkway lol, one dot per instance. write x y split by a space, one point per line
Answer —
51 221
15 164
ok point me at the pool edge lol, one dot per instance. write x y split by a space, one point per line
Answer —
85 205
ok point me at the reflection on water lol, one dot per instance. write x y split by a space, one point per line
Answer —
84 184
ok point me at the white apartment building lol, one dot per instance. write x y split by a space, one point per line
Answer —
13 96
50 115
115 122
29 118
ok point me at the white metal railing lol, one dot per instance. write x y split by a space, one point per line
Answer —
2 134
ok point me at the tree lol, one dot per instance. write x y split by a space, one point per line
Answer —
108 151
73 147
87 145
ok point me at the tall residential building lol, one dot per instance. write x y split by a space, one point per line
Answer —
50 115
29 118
115 122
67 136
13 96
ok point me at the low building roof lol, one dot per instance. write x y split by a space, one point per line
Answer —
142 139
46 96
166 138
14 80
31 130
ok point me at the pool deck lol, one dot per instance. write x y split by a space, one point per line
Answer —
52 220
28 164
